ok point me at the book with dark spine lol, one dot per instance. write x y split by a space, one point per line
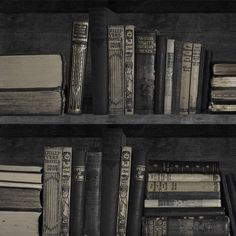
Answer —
170 48
160 74
123 201
183 167
113 140
93 194
194 82
116 69
185 226
78 192
185 77
137 188
129 70
145 49
78 64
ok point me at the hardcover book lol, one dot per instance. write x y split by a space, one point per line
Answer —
224 69
222 82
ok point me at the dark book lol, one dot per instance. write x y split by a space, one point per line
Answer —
78 192
183 167
185 226
145 49
137 188
176 212
113 140
93 193
160 74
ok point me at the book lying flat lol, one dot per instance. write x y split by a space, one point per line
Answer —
20 185
16 168
223 82
224 69
222 108
21 177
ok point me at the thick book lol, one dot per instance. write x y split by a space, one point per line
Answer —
201 167
7 176
160 74
78 65
56 194
170 49
137 188
123 200
145 49
159 186
223 96
224 69
116 69
78 192
195 76
222 108
129 70
93 194
223 82
159 203
185 226
185 77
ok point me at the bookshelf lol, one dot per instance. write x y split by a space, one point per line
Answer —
31 27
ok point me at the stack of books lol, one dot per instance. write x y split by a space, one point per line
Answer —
182 195
223 88
20 203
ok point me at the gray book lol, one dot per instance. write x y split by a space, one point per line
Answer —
224 69
223 82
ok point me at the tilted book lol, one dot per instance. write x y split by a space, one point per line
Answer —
78 63
123 201
116 69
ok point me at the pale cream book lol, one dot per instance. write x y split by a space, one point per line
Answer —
222 108
14 168
158 203
224 69
17 223
183 177
21 177
223 82
158 186
20 185
31 71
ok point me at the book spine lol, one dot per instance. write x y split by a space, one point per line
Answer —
123 201
152 203
183 167
145 48
195 72
52 191
66 190
116 69
129 70
158 186
78 192
183 177
78 63
169 75
93 194
185 77
138 177
160 74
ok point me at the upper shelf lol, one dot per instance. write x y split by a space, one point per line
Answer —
122 6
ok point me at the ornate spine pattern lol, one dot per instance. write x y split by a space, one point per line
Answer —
79 53
116 69
129 70
125 171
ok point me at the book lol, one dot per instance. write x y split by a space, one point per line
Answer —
123 200
137 188
78 192
78 65
160 74
195 74
129 70
20 185
170 48
93 193
20 223
185 77
159 186
185 226
223 96
56 194
159 203
116 69
15 168
222 82
145 49
224 69
222 108
201 167
20 177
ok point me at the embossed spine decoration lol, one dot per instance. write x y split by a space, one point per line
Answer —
116 69
79 54
129 70
52 191
125 171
